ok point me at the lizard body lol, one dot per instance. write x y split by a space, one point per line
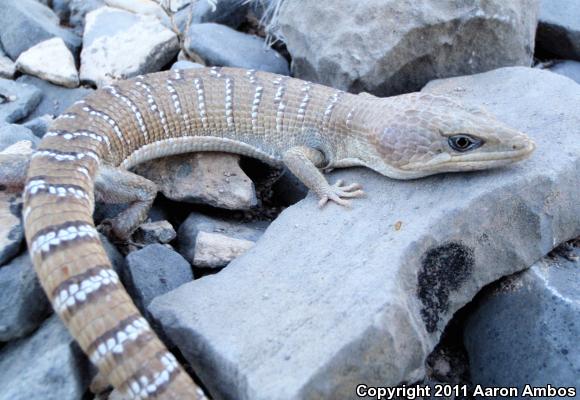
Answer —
280 120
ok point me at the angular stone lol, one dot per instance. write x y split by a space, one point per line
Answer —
17 100
11 231
27 22
214 250
331 298
155 232
208 178
525 329
559 28
46 365
55 99
50 60
568 68
399 48
14 161
196 223
24 305
153 271
118 44
221 45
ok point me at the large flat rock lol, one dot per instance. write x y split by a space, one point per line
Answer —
331 298
388 47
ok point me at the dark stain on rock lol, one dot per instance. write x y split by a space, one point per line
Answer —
444 269
2 187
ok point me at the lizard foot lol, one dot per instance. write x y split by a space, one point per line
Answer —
339 192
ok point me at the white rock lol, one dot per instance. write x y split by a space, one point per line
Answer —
214 250
118 44
50 60
144 7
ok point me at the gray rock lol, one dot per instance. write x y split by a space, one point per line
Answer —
155 232
154 271
17 100
56 99
39 125
47 365
227 12
78 11
525 330
208 178
184 64
559 28
11 231
220 45
116 258
23 304
197 223
118 44
568 68
331 298
27 22
7 66
12 133
14 162
388 47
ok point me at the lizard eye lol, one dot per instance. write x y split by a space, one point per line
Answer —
462 143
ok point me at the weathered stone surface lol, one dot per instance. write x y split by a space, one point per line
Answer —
197 223
17 100
155 232
11 231
47 365
24 304
13 133
215 250
392 47
153 271
568 68
559 28
331 298
50 60
27 22
7 66
221 45
209 178
525 329
78 11
118 44
55 99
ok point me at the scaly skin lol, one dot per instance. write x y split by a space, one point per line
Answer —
273 118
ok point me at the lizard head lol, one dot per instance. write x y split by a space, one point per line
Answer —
427 134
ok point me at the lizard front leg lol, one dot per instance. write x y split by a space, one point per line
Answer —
115 185
304 162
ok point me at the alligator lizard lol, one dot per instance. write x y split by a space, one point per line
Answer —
88 152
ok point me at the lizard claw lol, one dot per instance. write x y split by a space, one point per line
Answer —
339 192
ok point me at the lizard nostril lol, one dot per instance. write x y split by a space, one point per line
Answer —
514 147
